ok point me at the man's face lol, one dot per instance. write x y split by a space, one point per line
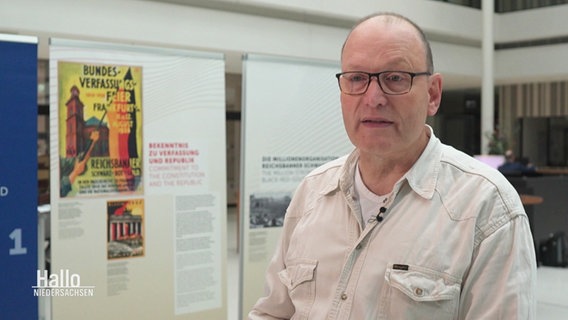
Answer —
383 124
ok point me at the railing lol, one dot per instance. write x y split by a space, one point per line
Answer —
504 6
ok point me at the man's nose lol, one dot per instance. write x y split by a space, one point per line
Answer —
375 96
374 90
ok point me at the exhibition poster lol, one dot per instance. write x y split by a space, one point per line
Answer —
138 204
272 168
125 228
100 129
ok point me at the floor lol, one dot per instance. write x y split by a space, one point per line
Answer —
552 293
552 289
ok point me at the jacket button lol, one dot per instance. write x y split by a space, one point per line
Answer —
343 296
419 291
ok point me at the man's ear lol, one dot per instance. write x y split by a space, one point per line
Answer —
434 93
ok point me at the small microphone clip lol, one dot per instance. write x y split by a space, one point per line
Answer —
381 211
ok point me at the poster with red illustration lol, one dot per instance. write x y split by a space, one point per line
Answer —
125 228
100 129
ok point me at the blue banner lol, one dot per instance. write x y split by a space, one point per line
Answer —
18 177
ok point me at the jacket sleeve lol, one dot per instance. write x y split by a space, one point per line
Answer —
501 282
276 304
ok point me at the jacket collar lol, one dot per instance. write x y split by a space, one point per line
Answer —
422 177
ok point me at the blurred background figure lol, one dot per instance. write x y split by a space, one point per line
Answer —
512 166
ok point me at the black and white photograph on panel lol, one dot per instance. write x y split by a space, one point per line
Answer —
268 209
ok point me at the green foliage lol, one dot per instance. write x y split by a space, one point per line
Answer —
497 142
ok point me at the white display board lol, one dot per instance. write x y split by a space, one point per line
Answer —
291 124
141 233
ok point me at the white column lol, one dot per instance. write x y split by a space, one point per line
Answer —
487 85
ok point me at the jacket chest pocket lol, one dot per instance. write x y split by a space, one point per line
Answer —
299 278
413 292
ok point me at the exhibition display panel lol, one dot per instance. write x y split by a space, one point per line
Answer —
138 201
18 176
291 124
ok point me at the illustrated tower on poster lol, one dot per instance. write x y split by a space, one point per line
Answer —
75 123
79 130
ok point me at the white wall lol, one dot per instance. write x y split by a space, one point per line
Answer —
289 28
434 17
532 64
547 22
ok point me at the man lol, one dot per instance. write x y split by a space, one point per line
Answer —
71 168
404 227
512 167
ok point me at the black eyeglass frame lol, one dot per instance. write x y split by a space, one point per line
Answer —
377 75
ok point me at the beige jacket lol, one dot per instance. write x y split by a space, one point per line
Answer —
455 244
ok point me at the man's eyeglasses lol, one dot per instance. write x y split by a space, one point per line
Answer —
391 82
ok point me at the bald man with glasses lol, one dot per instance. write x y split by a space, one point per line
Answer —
404 227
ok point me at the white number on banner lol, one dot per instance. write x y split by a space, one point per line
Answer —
16 235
